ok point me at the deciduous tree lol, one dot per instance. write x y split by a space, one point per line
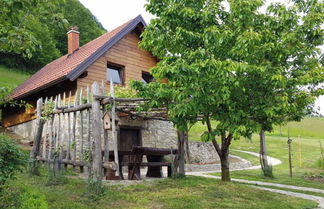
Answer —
229 62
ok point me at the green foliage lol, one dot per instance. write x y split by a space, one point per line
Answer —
12 159
267 171
178 175
242 68
125 92
22 197
76 14
320 163
33 33
55 175
189 192
47 112
31 199
12 77
95 188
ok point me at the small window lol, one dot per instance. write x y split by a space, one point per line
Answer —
147 77
114 73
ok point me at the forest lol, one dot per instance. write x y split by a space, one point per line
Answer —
33 32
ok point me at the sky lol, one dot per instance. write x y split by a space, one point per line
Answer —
113 13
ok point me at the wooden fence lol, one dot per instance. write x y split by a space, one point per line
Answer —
69 129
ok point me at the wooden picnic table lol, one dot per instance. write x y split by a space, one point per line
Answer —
154 156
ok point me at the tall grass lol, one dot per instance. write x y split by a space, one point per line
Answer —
12 77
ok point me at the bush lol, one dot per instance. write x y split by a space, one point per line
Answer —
31 199
267 171
12 159
22 197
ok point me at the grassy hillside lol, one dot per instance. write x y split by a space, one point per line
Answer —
309 127
190 192
306 152
11 77
312 127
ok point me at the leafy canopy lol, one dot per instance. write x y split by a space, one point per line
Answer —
33 32
234 64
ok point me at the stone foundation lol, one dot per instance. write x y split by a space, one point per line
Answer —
154 133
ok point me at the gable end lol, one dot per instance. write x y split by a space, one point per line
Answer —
74 74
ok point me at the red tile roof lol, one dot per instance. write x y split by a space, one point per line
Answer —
58 69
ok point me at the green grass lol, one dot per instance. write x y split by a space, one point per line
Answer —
277 147
12 77
189 192
311 127
254 160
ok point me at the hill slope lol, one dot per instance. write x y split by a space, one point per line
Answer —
11 77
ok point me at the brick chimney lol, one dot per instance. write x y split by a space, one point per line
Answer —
73 39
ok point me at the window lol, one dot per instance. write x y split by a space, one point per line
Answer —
147 77
114 73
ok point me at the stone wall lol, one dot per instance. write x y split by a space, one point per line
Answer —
155 133
202 152
26 130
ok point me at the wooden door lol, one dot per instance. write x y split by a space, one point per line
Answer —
128 138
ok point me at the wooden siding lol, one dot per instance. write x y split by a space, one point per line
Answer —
16 115
125 53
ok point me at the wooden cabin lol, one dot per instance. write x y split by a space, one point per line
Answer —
113 56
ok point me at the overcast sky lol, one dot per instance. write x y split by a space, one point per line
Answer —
112 13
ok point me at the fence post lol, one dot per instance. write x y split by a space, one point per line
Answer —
96 153
37 138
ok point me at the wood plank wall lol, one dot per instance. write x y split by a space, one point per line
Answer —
125 53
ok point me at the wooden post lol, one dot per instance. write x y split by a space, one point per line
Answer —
68 155
63 132
300 153
113 127
96 153
45 135
37 138
81 129
73 127
289 153
88 120
51 136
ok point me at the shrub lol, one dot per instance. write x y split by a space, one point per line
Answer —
31 199
267 171
12 159
16 196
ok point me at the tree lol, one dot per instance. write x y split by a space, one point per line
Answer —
33 32
225 63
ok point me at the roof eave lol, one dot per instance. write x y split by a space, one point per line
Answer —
76 72
40 88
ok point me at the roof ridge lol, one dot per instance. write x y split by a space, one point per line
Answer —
69 66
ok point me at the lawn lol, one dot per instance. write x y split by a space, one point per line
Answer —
189 192
11 77
305 152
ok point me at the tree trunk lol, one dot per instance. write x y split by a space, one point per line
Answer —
225 167
187 151
181 152
263 151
